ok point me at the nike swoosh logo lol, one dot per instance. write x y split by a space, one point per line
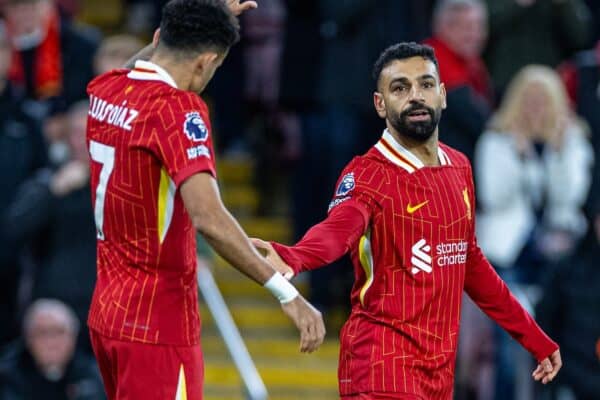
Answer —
411 209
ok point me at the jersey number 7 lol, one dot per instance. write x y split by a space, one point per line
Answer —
104 155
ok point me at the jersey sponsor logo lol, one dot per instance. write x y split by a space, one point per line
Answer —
421 257
194 127
447 254
346 185
198 151
337 201
120 116
411 209
451 253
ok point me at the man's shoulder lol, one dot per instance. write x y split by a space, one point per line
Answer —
368 162
457 158
365 169
177 100
105 79
180 107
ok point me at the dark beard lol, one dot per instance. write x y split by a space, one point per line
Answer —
419 131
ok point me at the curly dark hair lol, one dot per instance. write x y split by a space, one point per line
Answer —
402 51
194 26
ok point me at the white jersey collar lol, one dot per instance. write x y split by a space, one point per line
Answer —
148 71
401 156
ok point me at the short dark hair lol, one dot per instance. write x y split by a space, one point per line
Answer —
402 51
194 26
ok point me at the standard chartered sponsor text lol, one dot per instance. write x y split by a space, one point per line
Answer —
451 253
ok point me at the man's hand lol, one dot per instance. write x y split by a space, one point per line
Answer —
309 322
237 7
273 258
548 368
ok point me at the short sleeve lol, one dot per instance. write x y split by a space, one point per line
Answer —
184 140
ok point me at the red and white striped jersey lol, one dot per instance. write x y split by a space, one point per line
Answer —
410 229
145 138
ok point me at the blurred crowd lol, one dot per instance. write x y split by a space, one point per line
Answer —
295 97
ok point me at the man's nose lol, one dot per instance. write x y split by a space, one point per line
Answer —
416 94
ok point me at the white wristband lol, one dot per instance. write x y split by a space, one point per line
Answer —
281 288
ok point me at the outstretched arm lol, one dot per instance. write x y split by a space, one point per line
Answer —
322 244
201 197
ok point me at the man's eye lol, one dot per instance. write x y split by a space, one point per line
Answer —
427 85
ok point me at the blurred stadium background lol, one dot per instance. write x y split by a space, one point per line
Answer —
290 106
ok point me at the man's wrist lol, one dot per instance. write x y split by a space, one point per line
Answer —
281 288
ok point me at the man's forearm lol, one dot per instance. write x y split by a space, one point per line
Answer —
491 294
227 238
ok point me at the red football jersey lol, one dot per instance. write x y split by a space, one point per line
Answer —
145 138
410 230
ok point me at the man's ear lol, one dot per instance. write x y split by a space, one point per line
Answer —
443 94
204 59
156 37
379 104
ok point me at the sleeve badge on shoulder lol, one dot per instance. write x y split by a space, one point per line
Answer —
194 127
346 185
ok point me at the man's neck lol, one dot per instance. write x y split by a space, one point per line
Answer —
173 68
427 151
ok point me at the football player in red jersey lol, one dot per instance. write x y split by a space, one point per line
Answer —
405 212
153 186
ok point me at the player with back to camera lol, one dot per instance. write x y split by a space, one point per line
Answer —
405 211
153 186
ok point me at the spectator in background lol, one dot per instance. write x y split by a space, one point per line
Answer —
55 206
459 36
526 32
52 61
569 311
46 365
22 151
533 168
51 58
115 51
582 78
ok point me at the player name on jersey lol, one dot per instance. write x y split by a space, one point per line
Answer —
117 115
